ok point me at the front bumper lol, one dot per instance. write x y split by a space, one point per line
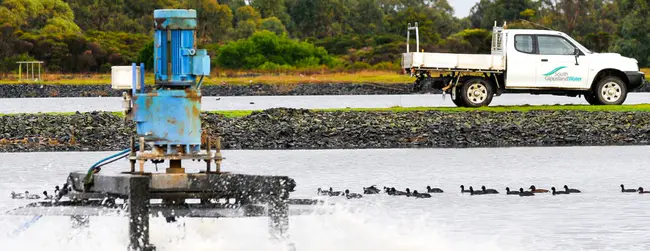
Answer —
636 80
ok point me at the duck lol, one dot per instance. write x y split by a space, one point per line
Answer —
320 192
434 190
535 190
352 195
47 197
488 191
396 192
335 193
17 196
570 190
623 190
462 189
371 190
472 192
641 190
511 192
420 195
558 192
31 196
525 193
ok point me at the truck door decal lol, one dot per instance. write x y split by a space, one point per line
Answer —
555 75
554 71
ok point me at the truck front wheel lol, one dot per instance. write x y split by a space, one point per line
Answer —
611 90
476 92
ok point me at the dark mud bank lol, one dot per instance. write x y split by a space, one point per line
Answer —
45 90
303 129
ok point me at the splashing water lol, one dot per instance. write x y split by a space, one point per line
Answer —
345 227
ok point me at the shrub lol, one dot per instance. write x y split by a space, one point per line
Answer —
267 47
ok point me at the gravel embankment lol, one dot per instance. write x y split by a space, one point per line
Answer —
304 129
49 90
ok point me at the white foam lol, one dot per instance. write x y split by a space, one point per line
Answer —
373 227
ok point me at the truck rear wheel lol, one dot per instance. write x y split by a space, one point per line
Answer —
591 98
611 90
476 92
458 101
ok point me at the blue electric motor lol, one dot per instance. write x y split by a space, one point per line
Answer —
169 115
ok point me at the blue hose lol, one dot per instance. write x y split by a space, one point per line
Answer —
125 151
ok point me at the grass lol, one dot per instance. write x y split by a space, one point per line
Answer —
524 108
237 78
386 77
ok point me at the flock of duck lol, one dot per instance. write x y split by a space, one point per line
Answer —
532 190
28 196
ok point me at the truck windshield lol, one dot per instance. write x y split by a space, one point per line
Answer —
580 46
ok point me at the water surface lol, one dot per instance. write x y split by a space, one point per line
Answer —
600 218
32 105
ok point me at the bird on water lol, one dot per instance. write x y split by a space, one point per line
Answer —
525 193
642 191
623 190
537 190
434 190
511 192
570 190
558 192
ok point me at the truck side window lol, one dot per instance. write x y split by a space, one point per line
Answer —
554 45
524 43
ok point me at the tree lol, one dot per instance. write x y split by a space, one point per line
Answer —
634 34
247 13
320 18
34 15
248 21
368 17
486 12
214 20
269 8
273 24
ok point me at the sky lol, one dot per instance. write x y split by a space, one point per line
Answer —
461 7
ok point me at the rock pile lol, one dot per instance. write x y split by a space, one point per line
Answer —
55 90
304 129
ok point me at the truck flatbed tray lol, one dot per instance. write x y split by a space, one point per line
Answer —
453 62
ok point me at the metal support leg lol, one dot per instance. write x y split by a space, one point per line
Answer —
139 214
279 220
80 221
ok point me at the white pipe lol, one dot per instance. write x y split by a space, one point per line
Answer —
417 36
408 36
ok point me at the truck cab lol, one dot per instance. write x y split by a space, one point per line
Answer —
526 61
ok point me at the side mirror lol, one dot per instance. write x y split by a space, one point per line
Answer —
576 52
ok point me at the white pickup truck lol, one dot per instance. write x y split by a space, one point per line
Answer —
525 61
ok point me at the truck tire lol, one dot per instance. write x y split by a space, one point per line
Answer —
591 98
611 90
476 92
458 101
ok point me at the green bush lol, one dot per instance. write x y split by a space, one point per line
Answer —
360 66
267 47
145 55
270 66
386 66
